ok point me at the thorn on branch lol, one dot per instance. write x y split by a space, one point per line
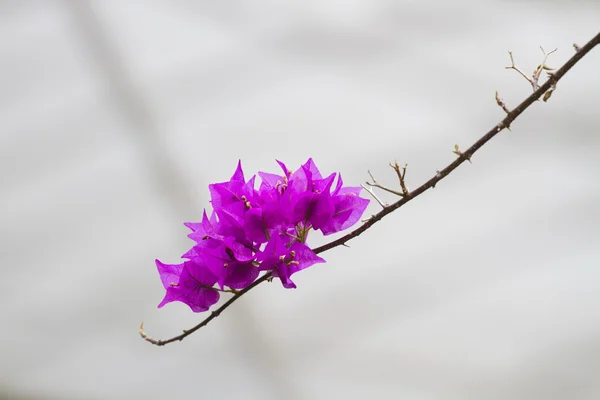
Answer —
461 154
502 125
500 102
367 219
576 47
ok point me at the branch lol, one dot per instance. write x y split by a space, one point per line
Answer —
388 209
214 314
466 155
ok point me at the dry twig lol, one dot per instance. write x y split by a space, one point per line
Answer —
401 175
382 204
377 185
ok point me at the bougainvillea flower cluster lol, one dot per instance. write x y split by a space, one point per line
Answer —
254 230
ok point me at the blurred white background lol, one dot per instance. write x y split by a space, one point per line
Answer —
116 115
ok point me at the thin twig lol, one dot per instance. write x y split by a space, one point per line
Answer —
401 175
382 204
377 185
510 117
541 67
523 74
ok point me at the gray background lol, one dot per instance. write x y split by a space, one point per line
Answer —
116 115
